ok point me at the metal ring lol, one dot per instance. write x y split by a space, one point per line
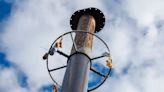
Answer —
75 31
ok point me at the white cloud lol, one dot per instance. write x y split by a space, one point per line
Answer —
144 51
36 23
9 81
145 11
33 26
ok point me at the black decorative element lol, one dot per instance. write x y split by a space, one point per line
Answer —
52 50
98 57
97 72
61 53
96 13
57 68
45 56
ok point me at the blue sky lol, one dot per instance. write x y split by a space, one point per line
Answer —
134 32
5 11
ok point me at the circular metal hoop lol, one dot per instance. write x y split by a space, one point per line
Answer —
91 59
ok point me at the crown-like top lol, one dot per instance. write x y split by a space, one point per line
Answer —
96 13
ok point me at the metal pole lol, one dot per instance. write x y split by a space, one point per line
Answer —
77 72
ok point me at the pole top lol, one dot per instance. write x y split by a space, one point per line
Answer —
96 13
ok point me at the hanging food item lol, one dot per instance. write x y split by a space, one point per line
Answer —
54 89
59 44
109 62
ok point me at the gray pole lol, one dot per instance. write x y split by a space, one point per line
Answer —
77 72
